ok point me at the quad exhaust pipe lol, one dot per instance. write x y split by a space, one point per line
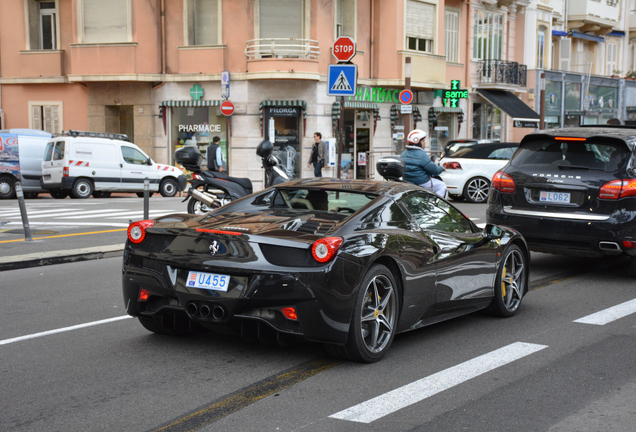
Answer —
217 312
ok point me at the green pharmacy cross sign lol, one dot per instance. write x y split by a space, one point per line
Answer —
196 92
451 97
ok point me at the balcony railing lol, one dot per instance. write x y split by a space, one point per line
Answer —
282 48
502 72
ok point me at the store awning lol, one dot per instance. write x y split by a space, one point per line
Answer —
580 35
511 105
447 109
559 33
190 103
617 33
283 103
335 112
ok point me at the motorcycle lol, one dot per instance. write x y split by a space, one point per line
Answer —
210 190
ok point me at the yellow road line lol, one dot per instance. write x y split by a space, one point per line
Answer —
66 235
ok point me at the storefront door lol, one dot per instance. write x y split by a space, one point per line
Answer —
443 132
282 129
364 122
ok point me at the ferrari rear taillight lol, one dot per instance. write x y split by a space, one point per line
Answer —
144 294
325 249
290 313
452 165
137 230
503 182
618 189
629 244
65 172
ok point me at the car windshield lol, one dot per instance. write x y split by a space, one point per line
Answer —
565 154
320 199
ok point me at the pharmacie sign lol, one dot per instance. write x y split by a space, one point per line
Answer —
377 94
200 128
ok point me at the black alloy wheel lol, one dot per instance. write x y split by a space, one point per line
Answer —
7 188
82 188
58 194
476 190
168 188
510 284
375 318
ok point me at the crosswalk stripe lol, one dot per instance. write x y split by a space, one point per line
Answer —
36 212
107 213
417 391
611 314
154 214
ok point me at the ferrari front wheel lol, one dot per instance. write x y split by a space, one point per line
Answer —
375 317
510 284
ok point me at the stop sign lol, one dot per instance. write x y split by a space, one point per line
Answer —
344 48
227 108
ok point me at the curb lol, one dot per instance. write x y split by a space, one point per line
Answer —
60 257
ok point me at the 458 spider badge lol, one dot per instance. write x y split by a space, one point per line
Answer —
214 247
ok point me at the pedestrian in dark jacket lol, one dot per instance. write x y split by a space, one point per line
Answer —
214 155
318 154
420 169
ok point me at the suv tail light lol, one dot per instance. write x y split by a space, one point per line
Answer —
452 165
65 172
137 230
503 182
618 189
325 249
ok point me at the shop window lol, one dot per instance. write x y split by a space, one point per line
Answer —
541 48
283 130
197 126
42 25
46 116
345 17
105 21
203 22
451 36
488 35
420 26
486 122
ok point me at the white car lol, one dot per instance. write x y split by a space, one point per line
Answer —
468 171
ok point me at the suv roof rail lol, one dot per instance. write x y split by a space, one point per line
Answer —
76 133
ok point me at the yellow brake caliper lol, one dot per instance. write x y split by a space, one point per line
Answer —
503 285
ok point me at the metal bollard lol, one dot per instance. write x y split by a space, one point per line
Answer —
146 197
23 211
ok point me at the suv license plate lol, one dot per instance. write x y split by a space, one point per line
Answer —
211 281
554 197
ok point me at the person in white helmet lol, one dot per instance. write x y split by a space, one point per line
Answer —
420 169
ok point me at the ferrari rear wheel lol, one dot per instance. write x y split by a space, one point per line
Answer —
375 317
510 283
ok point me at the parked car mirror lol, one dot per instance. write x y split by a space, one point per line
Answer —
493 232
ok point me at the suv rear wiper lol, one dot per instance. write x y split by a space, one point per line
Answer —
578 167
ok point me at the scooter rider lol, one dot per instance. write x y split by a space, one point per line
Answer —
420 169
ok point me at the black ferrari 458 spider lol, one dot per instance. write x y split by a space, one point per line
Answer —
345 263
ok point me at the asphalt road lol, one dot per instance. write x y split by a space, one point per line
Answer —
538 371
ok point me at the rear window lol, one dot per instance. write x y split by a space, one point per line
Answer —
591 155
58 151
486 151
48 152
325 200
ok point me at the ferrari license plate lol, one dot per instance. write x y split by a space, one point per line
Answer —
211 281
555 197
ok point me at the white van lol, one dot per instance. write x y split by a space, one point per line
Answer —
85 163
21 152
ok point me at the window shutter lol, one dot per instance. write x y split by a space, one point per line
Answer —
451 22
55 119
565 49
420 20
206 22
105 21
48 119
36 116
281 19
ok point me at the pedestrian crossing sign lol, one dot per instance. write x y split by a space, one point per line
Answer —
341 80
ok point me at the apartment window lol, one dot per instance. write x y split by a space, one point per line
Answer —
488 35
105 21
420 26
611 58
281 19
202 22
42 25
46 116
541 48
345 14
632 51
451 36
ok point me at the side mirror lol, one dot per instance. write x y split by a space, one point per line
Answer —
493 232
149 162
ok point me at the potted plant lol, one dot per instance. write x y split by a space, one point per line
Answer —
616 74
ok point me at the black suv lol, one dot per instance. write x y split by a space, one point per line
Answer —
571 191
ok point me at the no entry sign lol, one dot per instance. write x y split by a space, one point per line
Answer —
227 108
344 48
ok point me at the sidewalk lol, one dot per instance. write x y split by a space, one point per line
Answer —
55 248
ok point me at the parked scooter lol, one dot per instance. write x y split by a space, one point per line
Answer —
210 190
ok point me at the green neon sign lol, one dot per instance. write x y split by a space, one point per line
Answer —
377 95
196 92
451 97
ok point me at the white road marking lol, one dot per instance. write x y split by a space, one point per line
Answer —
122 213
38 212
385 404
140 214
72 224
611 314
62 330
